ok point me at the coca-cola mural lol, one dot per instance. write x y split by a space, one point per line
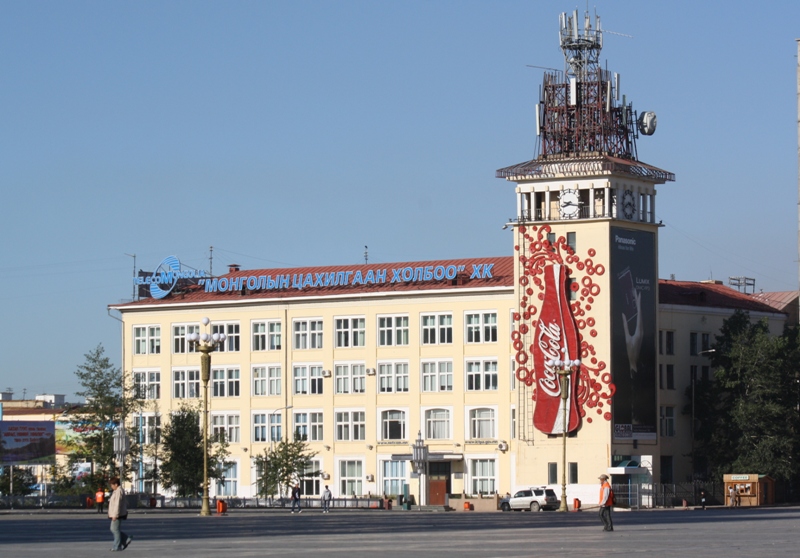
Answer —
633 333
554 322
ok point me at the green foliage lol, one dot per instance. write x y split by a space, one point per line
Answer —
182 454
748 414
107 404
282 466
24 481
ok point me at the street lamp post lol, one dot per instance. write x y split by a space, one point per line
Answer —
122 445
205 345
419 460
564 369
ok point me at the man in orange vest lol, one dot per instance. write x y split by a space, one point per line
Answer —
99 499
606 501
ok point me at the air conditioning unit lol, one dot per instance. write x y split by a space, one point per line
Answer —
370 371
326 373
370 478
325 476
502 446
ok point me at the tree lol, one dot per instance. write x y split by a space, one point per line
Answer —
107 405
182 454
24 481
748 414
282 466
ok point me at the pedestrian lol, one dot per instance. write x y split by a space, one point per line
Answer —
296 498
326 500
118 511
732 496
99 499
703 498
606 501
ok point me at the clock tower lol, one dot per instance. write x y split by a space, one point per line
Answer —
586 246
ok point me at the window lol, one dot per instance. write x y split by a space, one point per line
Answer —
481 375
437 376
307 379
482 328
267 336
227 485
669 337
670 376
482 476
394 477
666 469
481 424
513 423
148 428
660 376
225 382
667 421
437 424
350 425
147 340
572 240
572 293
693 343
275 427
552 473
179 333
572 472
147 384
260 427
308 334
392 330
350 332
185 384
437 329
267 380
301 426
513 368
705 342
393 377
316 426
226 425
231 331
350 478
660 342
393 425
310 479
350 378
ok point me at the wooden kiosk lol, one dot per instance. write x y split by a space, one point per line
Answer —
749 490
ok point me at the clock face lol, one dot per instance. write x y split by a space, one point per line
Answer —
628 205
569 204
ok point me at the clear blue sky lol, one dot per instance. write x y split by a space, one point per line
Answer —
296 132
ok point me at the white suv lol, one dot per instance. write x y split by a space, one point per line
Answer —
534 499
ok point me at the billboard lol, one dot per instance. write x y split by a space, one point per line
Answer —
27 443
633 333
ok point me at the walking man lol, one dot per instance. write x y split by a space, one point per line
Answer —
118 511
296 498
99 499
326 500
606 501
732 495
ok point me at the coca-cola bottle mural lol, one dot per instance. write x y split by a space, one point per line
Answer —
555 339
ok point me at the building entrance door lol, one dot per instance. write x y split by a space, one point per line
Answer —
438 482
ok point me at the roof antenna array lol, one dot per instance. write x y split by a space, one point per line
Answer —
366 254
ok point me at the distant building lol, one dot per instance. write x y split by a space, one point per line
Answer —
782 301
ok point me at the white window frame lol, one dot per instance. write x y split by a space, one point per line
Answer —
230 423
427 422
232 331
349 377
266 380
349 331
265 335
307 334
179 333
147 383
437 375
382 420
187 384
395 332
491 482
228 486
471 421
348 485
311 479
667 416
395 478
316 425
393 376
484 375
483 330
151 432
440 332
226 381
350 425
147 339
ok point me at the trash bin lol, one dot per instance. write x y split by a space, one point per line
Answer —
576 504
222 507
467 506
152 502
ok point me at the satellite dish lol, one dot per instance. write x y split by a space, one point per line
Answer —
647 123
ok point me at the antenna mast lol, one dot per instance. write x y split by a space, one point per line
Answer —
211 261
366 254
133 296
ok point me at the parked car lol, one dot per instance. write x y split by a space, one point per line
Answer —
534 499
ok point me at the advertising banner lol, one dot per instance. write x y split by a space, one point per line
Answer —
633 333
27 443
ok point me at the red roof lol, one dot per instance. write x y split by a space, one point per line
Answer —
472 273
689 293
778 299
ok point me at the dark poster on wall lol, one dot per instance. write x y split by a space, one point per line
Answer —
633 333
